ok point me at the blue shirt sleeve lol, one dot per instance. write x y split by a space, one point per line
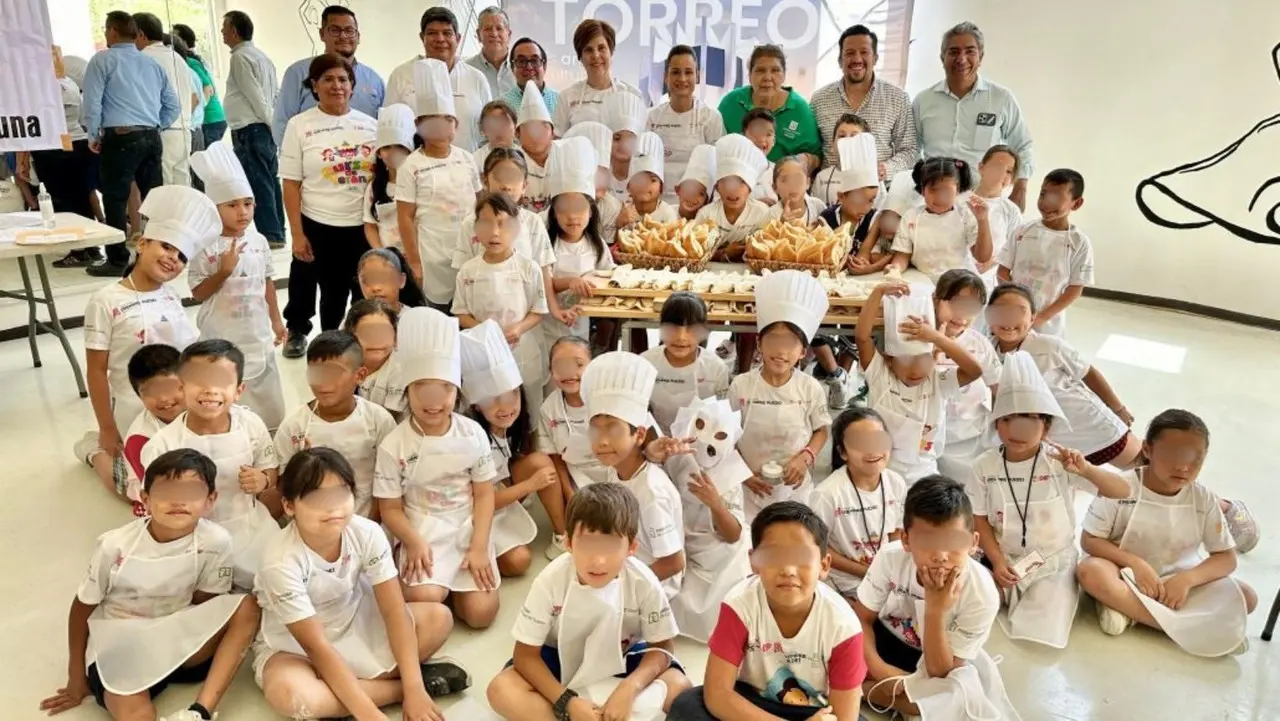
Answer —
289 102
170 109
91 105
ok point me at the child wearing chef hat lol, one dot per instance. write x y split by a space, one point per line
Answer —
392 146
904 383
826 184
492 385
436 187
785 421
947 231
695 187
232 279
737 214
1023 496
625 115
645 185
596 630
156 605
433 479
535 133
601 139
857 188
616 387
139 310
1163 555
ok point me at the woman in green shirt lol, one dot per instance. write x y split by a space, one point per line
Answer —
215 120
797 130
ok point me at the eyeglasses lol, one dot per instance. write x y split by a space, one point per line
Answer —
338 32
528 62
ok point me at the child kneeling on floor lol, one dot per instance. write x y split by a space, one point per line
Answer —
786 646
1145 561
336 635
156 605
593 616
927 608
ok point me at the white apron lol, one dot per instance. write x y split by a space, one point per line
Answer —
498 295
447 532
134 654
768 434
1212 621
908 437
668 398
248 521
352 437
714 566
512 524
569 265
1042 606
973 692
386 388
440 217
165 321
589 641
351 622
584 467
1041 268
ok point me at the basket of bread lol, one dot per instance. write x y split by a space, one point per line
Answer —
781 245
682 244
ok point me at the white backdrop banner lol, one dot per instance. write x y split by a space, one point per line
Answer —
31 115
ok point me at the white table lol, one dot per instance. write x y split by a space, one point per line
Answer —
95 234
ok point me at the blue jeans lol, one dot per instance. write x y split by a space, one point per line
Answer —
213 132
257 153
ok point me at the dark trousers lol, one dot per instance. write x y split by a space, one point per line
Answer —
66 175
127 159
197 144
213 132
337 252
257 153
690 706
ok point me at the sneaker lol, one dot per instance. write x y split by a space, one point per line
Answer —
86 448
187 714
559 546
1242 525
443 676
840 389
77 259
1112 622
106 269
296 345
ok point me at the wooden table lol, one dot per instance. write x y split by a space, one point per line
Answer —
95 234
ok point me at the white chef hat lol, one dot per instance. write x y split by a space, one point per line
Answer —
395 127
902 195
624 111
488 367
220 170
701 167
619 384
432 90
182 217
600 137
571 168
532 106
427 346
648 157
738 157
793 296
859 164
1022 389
718 409
919 302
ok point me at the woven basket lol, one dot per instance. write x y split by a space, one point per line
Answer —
658 262
757 265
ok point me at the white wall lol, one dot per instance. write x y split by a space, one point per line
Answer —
1122 90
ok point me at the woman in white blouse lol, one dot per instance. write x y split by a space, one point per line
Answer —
683 122
326 160
594 42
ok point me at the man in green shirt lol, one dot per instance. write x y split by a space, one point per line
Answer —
797 130
215 120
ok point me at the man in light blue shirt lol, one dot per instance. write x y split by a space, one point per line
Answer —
964 115
128 99
493 30
529 61
249 104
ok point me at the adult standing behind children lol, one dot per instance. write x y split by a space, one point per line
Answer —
797 128
175 138
215 119
683 122
529 62
594 42
249 104
493 30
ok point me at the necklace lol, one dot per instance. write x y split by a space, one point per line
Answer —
1026 504
884 515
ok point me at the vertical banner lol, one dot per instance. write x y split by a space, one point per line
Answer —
31 115
724 32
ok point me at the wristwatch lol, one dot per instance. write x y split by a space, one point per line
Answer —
561 707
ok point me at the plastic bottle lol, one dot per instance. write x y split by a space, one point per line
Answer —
46 208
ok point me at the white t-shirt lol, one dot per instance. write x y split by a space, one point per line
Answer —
478 278
357 437
1090 426
989 492
254 258
663 213
661 517
535 198
580 102
763 189
211 565
1048 261
558 423
385 216
646 614
471 92
824 656
532 242
71 100
812 208
333 157
891 590
180 78
675 388
386 387
859 521
580 254
938 242
906 408
826 186
752 218
1109 517
681 133
749 391
444 192
288 563
398 459
1003 218
968 412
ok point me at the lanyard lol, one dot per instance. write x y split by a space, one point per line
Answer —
884 515
1026 504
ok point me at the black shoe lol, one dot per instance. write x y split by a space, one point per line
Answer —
296 345
444 677
106 269
75 259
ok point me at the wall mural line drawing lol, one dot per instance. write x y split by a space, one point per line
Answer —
1236 188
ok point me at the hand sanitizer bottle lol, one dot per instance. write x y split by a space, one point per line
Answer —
46 208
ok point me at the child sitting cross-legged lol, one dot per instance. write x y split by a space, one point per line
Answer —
594 638
337 637
786 645
156 605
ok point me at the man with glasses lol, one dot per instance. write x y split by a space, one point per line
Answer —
529 62
494 34
439 33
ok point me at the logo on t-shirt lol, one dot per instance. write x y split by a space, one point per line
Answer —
987 120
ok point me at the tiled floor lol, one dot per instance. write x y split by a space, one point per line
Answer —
1154 359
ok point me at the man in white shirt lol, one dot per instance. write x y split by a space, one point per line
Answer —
439 33
493 30
175 139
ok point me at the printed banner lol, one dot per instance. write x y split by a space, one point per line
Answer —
724 32
31 115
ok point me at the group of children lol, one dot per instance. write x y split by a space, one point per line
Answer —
339 542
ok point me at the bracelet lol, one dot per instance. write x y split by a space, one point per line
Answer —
561 707
813 457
